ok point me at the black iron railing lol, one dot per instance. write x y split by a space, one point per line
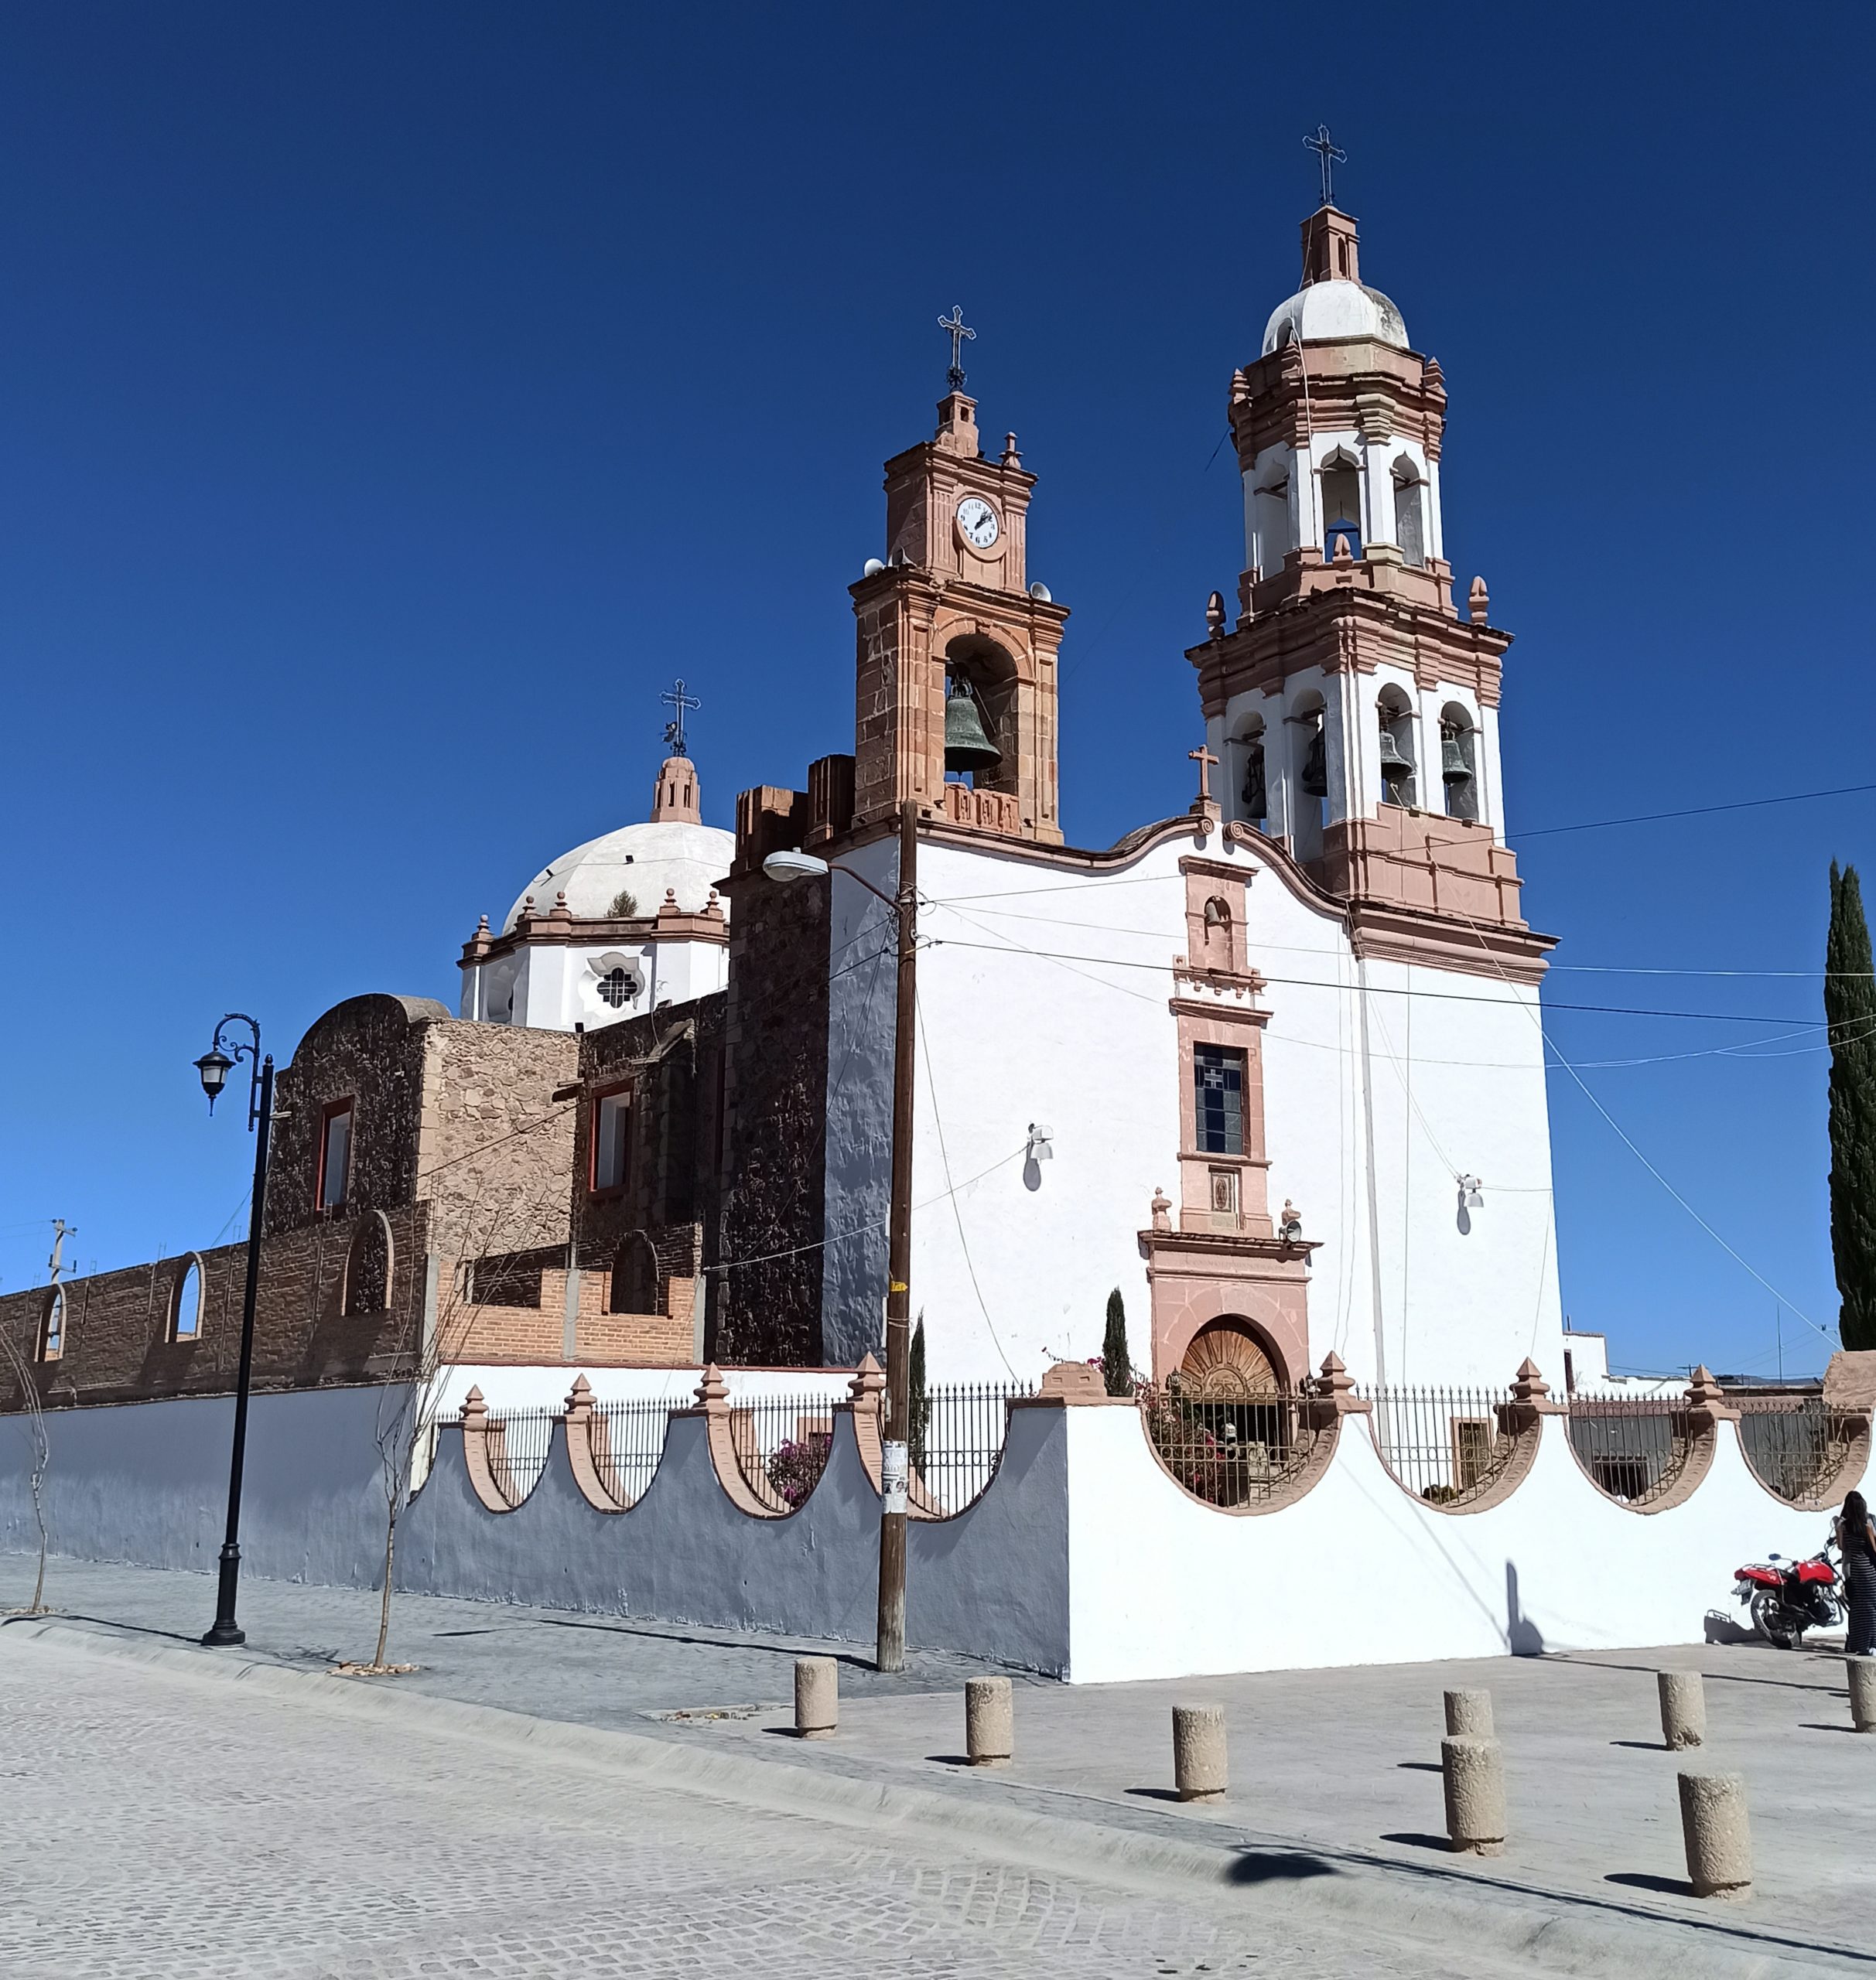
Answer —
518 1442
1226 1440
1797 1445
957 1436
1448 1446
781 1443
628 1442
1634 1448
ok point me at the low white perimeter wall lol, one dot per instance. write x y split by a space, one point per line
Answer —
991 1582
544 1385
1361 1572
148 1483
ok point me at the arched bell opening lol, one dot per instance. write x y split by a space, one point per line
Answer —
1253 777
1410 512
1459 762
1341 476
980 708
1400 781
1309 774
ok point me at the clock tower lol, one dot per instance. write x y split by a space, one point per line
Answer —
950 617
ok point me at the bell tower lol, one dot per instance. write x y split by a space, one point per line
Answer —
953 641
1354 711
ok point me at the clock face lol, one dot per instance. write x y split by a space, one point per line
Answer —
977 522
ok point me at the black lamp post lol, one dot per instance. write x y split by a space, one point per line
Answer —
214 1066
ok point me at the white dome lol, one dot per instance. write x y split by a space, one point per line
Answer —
1330 309
642 860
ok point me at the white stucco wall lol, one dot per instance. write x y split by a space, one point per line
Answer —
1044 998
1161 1585
553 986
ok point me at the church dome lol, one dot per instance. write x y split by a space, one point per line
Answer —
1325 310
643 861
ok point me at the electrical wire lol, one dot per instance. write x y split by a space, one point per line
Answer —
1697 811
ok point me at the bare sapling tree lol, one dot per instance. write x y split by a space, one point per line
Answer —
30 1420
491 1224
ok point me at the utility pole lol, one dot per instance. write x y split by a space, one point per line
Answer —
56 1264
889 1640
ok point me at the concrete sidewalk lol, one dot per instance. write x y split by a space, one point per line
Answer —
1336 1799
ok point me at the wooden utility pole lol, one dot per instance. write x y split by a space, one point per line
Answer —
890 1642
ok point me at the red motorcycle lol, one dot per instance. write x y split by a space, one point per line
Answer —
1785 1598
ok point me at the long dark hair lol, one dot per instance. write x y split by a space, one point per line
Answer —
1856 1523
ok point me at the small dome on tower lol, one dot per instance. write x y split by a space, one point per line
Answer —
1335 309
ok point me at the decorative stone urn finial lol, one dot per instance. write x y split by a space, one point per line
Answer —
1478 601
1162 1209
1215 615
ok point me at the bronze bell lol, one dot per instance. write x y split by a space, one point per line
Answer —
1316 767
1257 798
966 746
1395 767
1453 768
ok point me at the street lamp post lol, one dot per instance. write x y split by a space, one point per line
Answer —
889 1651
214 1067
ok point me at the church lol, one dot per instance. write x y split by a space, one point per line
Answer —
1273 1067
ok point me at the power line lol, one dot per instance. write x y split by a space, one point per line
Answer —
1698 811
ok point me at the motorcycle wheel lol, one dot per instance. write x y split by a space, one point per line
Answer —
1773 1620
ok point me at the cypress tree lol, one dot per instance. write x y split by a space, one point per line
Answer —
1849 1006
921 1403
1116 1370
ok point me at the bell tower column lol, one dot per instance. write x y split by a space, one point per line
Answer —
950 615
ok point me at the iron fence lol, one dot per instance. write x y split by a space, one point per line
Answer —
781 1443
1448 1446
628 1443
956 1439
518 1442
1797 1445
1633 1448
1227 1440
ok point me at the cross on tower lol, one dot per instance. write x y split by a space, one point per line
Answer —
1207 763
1329 155
674 730
954 325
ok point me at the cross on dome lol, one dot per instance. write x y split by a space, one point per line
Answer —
674 730
954 325
1329 155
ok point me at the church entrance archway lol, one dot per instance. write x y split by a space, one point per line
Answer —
1228 1355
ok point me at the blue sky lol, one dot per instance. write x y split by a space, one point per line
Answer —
395 399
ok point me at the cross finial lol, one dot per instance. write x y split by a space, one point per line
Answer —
954 325
674 730
1329 154
1207 762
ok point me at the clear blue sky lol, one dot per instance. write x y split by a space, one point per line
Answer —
395 399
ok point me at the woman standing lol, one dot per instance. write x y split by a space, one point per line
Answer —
1855 1540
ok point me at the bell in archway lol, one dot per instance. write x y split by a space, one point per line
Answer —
966 746
1453 768
1316 767
1396 767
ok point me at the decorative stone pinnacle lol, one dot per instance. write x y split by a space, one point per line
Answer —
1344 554
1478 601
1011 457
579 1400
1529 1385
1162 1209
1215 615
868 1382
712 1391
560 911
475 1411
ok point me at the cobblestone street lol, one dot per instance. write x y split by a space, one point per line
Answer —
162 1823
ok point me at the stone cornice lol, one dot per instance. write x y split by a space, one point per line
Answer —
556 930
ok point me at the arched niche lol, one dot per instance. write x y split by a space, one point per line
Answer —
369 1265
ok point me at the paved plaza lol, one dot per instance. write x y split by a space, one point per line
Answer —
552 1794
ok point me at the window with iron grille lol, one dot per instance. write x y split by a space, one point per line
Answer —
616 988
1218 1088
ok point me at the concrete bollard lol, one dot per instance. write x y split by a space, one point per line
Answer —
1473 1771
1713 1825
817 1697
989 1721
1862 1671
1199 1769
1468 1715
1683 1708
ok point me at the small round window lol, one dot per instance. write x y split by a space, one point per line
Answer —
617 989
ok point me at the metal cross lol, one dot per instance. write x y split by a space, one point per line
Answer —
673 731
1329 155
1207 763
954 323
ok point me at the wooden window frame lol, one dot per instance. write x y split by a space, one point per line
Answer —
609 1192
328 1114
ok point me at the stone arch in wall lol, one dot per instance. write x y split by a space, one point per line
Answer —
369 1264
987 670
634 1276
188 1300
1235 1348
1459 761
1400 751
